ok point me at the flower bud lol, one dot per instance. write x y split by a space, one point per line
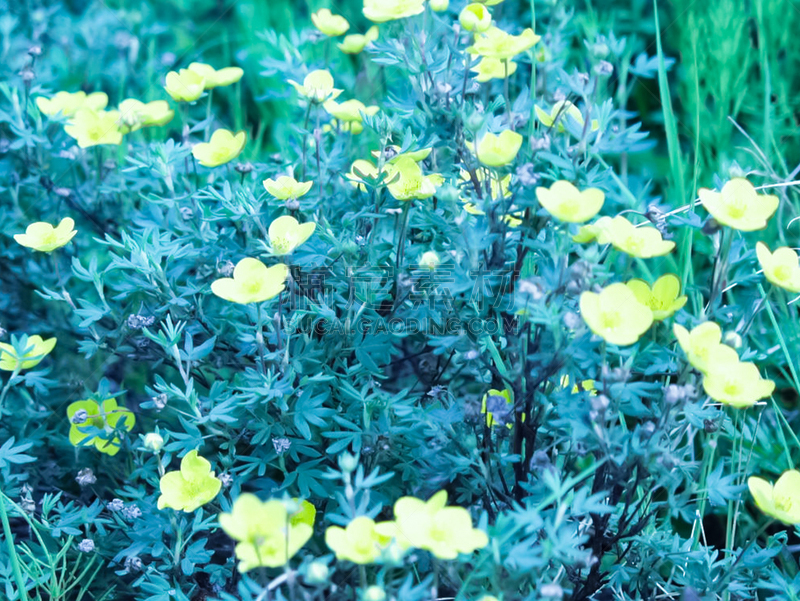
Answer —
153 442
475 17
439 5
374 593
430 260
348 463
317 573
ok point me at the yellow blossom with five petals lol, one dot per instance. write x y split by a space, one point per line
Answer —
317 86
616 315
185 85
216 78
135 114
285 187
252 282
93 128
781 268
360 542
664 297
223 147
739 206
781 500
498 150
698 344
286 234
191 487
268 533
86 415
328 23
68 103
565 202
45 238
356 42
733 382
35 348
498 44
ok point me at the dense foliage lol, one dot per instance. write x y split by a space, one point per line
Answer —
410 300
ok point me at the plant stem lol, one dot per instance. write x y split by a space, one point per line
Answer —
260 339
7 387
12 551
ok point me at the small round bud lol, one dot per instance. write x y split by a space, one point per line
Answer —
374 593
35 51
430 260
603 68
439 5
475 17
572 320
347 462
600 403
317 573
153 442
86 545
244 168
292 204
732 339
552 591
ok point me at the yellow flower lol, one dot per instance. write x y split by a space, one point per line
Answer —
360 171
492 68
328 23
68 103
781 501
97 423
190 487
439 5
506 394
356 42
496 43
663 298
286 187
739 206
268 535
781 267
380 11
560 111
430 525
698 344
45 238
223 147
615 314
92 128
641 242
135 114
216 78
359 542
350 112
406 181
252 282
584 385
565 202
286 234
317 86
185 85
497 150
733 382
34 349
475 17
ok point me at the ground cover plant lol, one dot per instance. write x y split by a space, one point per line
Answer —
399 299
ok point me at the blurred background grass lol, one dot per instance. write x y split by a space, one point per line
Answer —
736 60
